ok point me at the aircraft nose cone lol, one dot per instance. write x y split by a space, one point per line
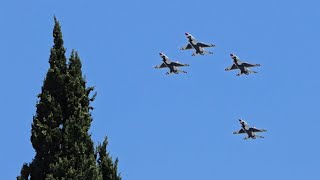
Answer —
231 54
186 34
160 54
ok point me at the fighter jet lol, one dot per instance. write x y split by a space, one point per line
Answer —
251 131
198 46
171 65
242 66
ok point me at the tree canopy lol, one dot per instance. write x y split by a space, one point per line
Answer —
59 131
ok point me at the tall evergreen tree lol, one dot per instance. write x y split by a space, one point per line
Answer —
108 168
59 135
77 160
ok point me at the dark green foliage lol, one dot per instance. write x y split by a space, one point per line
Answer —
59 135
106 165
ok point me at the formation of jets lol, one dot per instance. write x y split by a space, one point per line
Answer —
237 64
199 48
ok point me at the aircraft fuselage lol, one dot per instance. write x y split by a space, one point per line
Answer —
242 68
249 132
172 68
194 44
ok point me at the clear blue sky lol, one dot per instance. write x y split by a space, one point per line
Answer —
179 126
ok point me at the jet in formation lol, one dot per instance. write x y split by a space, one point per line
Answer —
242 66
251 131
198 46
173 66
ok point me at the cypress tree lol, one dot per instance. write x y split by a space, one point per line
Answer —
59 134
108 168
46 135
77 160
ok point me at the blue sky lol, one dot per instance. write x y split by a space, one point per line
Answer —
179 126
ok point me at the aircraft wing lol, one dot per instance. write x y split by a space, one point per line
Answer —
205 44
232 67
188 46
177 64
163 65
239 132
257 130
250 65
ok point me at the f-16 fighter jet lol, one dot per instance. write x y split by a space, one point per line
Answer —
198 46
251 131
242 66
171 65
